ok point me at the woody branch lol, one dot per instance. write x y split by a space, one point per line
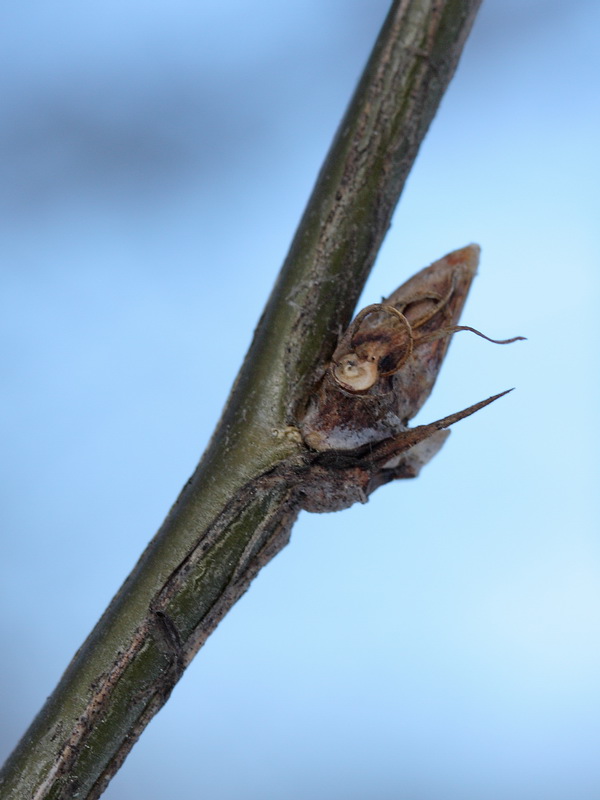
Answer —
221 530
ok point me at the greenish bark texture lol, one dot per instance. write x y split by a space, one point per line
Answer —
236 511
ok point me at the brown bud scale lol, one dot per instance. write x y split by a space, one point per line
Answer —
381 373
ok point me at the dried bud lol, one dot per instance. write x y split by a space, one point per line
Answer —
382 371
386 363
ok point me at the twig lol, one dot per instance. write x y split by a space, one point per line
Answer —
236 511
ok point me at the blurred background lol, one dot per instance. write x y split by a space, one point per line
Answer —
441 641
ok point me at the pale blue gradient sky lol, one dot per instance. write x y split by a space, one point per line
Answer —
442 641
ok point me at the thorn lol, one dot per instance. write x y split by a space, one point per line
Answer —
445 422
404 441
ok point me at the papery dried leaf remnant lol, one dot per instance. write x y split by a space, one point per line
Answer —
381 373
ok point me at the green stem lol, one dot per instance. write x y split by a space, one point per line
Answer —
236 511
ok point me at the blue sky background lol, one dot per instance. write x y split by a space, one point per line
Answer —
441 641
